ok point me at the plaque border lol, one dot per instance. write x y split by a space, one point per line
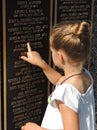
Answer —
4 64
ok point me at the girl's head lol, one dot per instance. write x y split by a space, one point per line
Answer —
73 39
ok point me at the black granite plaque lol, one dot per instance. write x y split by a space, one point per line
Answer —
25 86
72 10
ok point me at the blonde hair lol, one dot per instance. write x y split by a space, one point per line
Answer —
73 38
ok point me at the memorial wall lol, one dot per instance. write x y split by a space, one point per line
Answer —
25 88
93 63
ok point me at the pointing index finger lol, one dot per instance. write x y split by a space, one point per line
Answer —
29 47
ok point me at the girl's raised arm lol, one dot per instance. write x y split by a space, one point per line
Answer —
34 58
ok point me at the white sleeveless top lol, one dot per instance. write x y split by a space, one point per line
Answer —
71 97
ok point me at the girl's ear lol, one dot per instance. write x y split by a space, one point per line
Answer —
61 57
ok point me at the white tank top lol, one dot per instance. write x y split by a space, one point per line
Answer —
71 97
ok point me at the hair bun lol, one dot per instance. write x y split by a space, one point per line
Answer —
83 29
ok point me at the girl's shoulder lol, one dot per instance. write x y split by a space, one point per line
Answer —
81 83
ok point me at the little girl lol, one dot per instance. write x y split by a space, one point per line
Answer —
71 105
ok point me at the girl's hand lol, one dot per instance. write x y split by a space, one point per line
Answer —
32 57
31 126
